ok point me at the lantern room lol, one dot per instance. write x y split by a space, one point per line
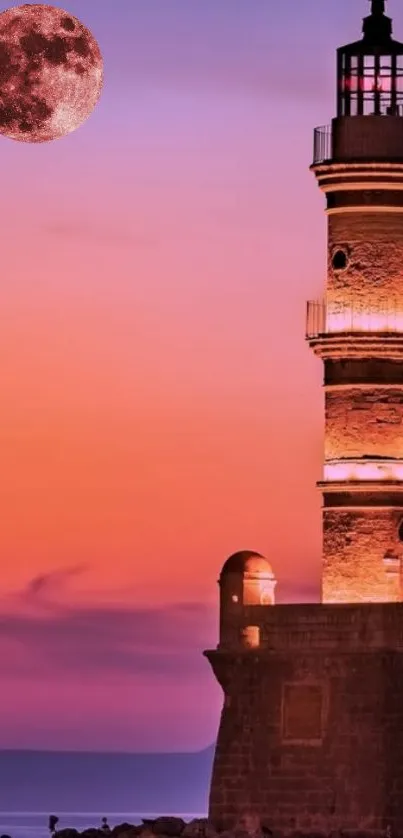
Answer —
370 71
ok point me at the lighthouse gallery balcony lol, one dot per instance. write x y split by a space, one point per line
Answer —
326 319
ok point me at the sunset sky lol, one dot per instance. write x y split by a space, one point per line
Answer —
160 408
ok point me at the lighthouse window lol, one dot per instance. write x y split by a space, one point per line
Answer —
400 531
339 260
251 637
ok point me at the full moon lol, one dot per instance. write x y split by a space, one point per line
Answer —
51 73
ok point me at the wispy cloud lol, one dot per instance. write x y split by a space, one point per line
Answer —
55 637
99 234
44 584
106 640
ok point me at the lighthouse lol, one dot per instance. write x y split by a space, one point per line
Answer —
357 330
310 740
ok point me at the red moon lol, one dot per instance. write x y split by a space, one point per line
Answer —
51 73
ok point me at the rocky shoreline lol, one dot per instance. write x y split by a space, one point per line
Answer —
173 827
163 827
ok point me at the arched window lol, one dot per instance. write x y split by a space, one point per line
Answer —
251 637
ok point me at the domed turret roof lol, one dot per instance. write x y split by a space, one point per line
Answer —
247 561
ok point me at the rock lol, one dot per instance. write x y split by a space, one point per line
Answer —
198 828
169 826
127 830
131 832
67 833
88 833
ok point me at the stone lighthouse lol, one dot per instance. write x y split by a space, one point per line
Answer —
311 731
358 330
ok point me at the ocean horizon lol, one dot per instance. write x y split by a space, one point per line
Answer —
35 824
82 787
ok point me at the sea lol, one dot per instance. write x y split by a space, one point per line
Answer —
35 824
80 788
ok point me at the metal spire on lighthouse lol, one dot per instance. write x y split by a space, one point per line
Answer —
377 27
377 7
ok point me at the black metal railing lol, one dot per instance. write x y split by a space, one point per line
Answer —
315 318
322 144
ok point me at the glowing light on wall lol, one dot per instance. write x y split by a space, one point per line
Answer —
350 320
332 318
344 470
258 589
251 637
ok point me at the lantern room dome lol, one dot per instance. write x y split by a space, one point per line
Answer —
247 561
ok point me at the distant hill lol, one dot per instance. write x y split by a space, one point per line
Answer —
105 782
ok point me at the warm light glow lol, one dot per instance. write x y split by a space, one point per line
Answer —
338 470
234 598
251 636
369 83
350 320
259 589
333 318
392 565
266 592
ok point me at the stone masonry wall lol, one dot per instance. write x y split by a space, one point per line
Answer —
337 782
373 279
363 422
311 733
358 545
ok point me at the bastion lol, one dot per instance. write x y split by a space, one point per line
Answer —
311 733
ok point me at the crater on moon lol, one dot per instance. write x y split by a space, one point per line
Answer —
51 73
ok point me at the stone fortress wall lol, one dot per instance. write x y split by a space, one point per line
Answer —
311 732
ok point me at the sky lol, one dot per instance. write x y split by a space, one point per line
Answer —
160 407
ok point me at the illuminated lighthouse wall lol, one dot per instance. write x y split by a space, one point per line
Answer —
358 329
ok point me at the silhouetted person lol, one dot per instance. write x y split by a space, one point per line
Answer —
105 826
53 820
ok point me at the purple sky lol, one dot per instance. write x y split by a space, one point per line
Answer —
160 407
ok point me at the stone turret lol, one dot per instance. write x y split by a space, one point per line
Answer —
247 584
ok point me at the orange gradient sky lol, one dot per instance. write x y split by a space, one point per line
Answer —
160 408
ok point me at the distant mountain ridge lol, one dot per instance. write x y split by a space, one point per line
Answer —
68 781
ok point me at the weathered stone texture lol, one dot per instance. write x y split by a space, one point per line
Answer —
363 422
352 777
373 280
358 550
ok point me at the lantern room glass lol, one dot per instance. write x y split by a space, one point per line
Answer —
370 84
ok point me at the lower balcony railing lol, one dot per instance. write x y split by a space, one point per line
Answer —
322 144
325 319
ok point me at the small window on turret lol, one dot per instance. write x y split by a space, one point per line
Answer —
339 260
251 637
400 531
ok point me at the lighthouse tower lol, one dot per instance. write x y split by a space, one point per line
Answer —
311 732
358 329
